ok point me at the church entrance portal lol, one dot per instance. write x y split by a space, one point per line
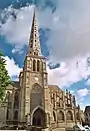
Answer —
38 120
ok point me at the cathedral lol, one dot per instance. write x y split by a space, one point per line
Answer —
31 101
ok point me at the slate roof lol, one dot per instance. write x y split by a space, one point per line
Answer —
54 88
15 84
87 109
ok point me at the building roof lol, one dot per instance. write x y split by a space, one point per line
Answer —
15 84
87 109
54 88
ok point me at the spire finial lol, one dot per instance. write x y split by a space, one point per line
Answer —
34 10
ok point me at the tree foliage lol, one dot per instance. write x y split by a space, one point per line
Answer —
4 77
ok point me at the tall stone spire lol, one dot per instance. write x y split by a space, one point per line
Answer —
34 42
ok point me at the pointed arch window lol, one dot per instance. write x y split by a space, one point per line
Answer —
8 96
16 115
69 115
7 117
8 99
54 116
39 121
34 65
38 65
77 116
61 115
34 121
16 97
16 100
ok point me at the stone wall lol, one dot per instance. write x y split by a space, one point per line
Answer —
3 111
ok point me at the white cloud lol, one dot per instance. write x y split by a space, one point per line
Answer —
69 24
82 106
66 39
81 98
71 91
12 68
17 31
69 72
82 92
68 42
88 82
14 51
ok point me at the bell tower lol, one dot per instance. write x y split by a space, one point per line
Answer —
34 74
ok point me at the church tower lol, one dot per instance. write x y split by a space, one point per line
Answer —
33 78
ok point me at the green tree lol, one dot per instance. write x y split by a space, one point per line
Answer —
4 77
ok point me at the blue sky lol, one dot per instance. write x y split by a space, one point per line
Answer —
64 29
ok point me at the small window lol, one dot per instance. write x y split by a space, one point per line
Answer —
34 64
31 46
35 40
31 40
38 65
32 30
86 114
87 119
36 53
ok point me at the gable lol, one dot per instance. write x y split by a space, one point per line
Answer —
14 84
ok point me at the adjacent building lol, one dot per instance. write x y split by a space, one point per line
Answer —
31 101
87 115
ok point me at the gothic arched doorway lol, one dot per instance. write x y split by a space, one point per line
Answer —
38 118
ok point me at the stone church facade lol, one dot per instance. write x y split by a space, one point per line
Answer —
33 102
